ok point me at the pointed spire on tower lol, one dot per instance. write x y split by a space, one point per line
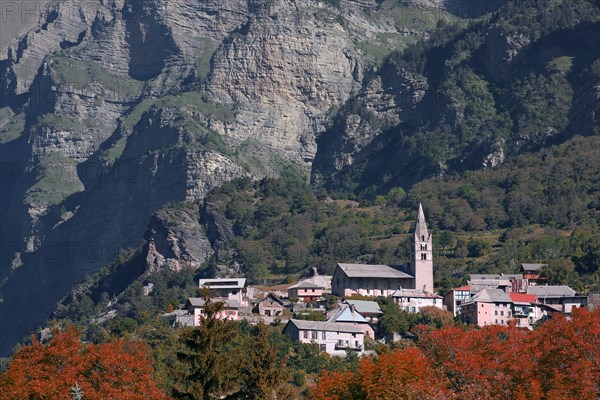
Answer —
421 227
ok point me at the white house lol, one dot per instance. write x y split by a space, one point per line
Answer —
412 300
331 337
349 314
454 298
227 289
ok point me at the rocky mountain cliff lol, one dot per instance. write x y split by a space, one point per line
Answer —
112 109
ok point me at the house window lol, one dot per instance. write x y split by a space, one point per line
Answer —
356 345
501 312
322 348
313 290
305 334
230 312
496 312
354 335
340 343
315 335
423 256
324 335
422 238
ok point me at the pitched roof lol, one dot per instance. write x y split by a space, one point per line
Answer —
482 277
466 287
325 326
551 291
372 271
345 314
224 283
524 298
271 297
305 285
364 306
531 267
421 226
321 280
490 295
199 302
415 294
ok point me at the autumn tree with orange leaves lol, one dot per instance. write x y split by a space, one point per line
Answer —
559 360
399 374
120 370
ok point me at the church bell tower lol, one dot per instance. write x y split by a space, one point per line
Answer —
421 265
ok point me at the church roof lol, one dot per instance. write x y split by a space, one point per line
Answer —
372 271
421 227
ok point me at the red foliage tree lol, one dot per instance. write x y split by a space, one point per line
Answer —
400 374
559 360
118 370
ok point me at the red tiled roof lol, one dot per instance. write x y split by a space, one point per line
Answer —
467 287
524 298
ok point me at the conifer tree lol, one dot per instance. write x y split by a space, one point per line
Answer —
210 357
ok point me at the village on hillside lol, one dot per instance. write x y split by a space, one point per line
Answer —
339 312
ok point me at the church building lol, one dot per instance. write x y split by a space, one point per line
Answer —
384 280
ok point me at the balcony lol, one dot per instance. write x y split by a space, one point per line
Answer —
347 346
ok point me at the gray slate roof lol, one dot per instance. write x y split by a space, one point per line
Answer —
326 326
490 295
414 293
224 283
531 267
364 306
305 285
199 302
551 291
372 271
481 277
346 315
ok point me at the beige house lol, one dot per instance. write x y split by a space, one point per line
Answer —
233 289
305 291
270 306
334 338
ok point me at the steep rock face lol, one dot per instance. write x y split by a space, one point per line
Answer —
89 228
175 240
112 109
283 69
388 99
